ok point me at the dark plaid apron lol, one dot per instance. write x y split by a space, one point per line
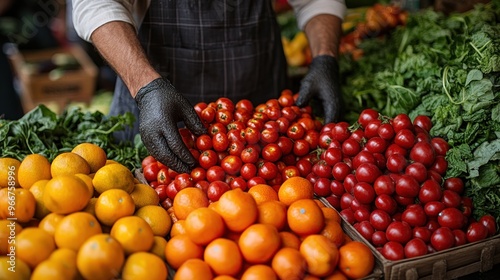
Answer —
212 48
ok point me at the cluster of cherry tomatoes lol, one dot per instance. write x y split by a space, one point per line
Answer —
386 177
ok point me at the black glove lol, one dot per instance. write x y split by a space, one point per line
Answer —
322 80
161 107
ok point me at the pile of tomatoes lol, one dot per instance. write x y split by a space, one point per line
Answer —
384 175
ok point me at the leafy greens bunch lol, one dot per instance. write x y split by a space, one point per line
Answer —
448 68
44 132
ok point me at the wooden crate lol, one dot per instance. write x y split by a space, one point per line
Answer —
42 88
452 263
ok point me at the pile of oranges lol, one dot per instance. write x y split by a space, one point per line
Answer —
262 234
80 216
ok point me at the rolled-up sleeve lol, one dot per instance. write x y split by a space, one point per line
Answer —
307 9
88 15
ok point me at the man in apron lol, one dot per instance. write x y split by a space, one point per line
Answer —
170 55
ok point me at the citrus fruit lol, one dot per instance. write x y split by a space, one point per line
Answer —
158 247
9 171
259 271
49 223
194 269
90 208
100 257
262 193
88 182
34 245
295 188
289 239
37 190
259 242
68 163
113 176
94 155
321 255
144 195
288 263
65 194
18 203
272 213
8 231
112 205
238 209
49 269
223 256
14 269
74 229
33 167
178 227
157 217
134 233
336 275
204 225
356 260
334 232
305 217
144 265
181 248
331 214
188 199
67 258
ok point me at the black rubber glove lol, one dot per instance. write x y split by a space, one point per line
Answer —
322 80
161 107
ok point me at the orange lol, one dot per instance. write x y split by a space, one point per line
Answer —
65 194
331 214
158 247
263 192
320 204
224 277
68 163
238 209
22 270
9 171
8 229
67 258
188 199
112 205
305 217
144 265
321 255
34 245
204 225
336 275
272 213
18 203
94 155
144 195
60 265
100 257
194 269
295 188
288 263
258 272
157 217
223 256
356 260
33 167
74 229
88 182
181 248
259 242
334 232
178 227
90 208
37 190
113 176
49 223
134 233
289 239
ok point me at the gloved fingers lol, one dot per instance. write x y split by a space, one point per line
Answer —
193 122
164 154
331 111
173 139
305 93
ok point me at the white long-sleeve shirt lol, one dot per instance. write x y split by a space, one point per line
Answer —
88 15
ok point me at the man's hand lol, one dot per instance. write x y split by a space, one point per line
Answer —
161 107
322 80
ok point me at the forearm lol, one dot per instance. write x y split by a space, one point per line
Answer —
118 44
323 33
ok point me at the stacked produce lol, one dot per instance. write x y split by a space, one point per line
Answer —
447 68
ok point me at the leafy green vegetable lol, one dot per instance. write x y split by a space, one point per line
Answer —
44 132
448 68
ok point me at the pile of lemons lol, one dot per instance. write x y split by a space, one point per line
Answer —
81 216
